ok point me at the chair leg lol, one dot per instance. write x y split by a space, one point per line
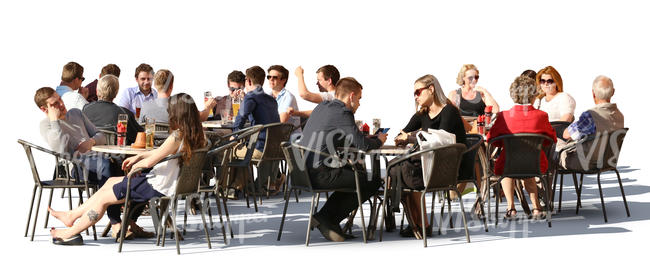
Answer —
70 198
555 174
38 205
176 237
383 212
311 213
225 209
575 186
223 225
125 216
47 211
287 196
602 201
451 222
442 213
559 203
522 198
620 184
31 206
188 205
546 197
462 209
580 191
423 214
206 202
496 205
317 201
363 219
433 206
205 226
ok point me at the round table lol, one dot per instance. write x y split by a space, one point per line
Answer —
127 150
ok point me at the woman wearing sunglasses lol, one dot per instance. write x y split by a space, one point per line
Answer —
551 99
436 112
469 98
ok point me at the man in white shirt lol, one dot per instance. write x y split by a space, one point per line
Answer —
277 77
132 98
327 77
71 79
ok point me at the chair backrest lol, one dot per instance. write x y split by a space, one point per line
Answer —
276 133
250 134
473 142
297 166
522 153
162 127
190 174
61 163
559 127
444 166
110 134
601 151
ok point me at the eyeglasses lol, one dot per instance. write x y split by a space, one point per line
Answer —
418 91
82 79
472 78
269 77
548 81
232 89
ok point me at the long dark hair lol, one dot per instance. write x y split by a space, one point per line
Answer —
184 117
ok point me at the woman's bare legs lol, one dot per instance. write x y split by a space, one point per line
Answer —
508 185
531 188
88 213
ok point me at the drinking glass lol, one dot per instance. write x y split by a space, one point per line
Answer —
122 123
206 96
235 106
376 124
225 113
150 130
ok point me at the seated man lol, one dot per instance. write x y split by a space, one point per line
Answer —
104 113
132 98
71 79
521 118
327 77
278 76
331 126
260 109
71 133
602 118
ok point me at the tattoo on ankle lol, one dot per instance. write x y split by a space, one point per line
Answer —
92 215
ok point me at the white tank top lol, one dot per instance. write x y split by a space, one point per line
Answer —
164 176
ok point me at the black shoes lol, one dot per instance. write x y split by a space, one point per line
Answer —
329 231
74 240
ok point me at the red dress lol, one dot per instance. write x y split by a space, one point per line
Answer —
520 119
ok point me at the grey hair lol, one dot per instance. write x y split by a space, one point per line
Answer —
107 87
603 87
523 90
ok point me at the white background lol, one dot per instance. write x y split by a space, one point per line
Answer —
385 45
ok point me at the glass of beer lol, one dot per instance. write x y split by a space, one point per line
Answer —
206 97
376 124
122 123
137 112
235 105
150 130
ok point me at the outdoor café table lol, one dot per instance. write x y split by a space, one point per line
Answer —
217 124
114 149
375 155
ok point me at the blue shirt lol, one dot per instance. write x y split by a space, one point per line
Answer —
62 89
132 97
285 100
260 109
584 126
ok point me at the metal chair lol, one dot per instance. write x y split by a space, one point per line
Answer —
473 142
187 186
276 133
597 153
559 127
444 166
248 137
522 160
62 180
205 187
110 134
297 171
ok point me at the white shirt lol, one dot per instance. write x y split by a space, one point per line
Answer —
560 105
164 176
73 99
327 96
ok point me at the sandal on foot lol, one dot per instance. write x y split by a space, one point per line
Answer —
510 214
539 216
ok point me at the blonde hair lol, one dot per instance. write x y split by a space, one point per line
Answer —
461 74
163 80
107 87
523 90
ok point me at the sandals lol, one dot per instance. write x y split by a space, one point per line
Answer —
539 216
510 214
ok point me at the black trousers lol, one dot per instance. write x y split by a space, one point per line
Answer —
340 204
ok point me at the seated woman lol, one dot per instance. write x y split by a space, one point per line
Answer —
436 112
187 135
469 98
522 118
551 99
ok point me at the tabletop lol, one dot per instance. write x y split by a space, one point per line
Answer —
127 150
217 124
389 150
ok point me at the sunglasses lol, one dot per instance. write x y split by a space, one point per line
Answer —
472 78
232 89
548 81
82 79
269 77
418 91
